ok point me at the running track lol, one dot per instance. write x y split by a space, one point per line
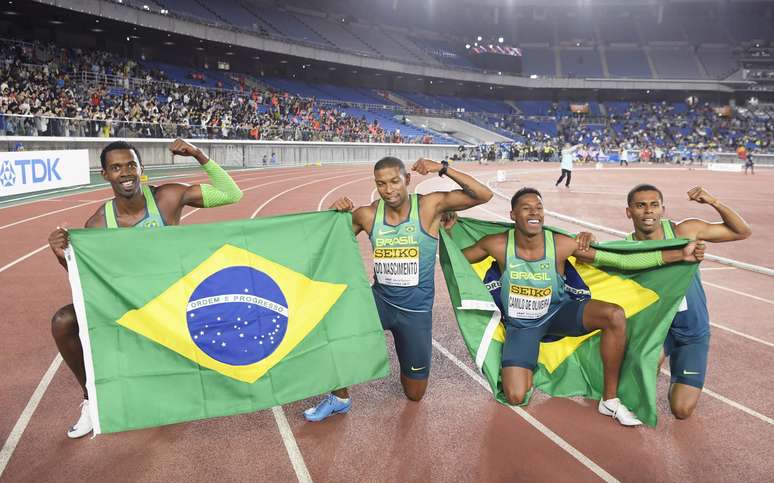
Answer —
457 432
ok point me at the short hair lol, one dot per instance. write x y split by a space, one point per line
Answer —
643 187
115 146
390 162
524 191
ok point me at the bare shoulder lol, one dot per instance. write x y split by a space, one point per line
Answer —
364 215
564 244
97 220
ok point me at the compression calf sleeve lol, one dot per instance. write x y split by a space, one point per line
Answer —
629 261
222 191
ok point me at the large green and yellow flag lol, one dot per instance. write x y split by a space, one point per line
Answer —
572 366
190 322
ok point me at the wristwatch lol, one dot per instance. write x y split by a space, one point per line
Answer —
445 167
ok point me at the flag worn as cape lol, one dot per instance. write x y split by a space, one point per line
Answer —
572 366
189 322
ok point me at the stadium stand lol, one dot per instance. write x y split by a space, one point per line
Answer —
675 63
538 61
627 63
581 63
718 62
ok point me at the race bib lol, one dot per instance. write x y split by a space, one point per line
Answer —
528 302
397 266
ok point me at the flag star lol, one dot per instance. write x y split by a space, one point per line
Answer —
193 315
245 322
201 332
206 326
217 318
239 319
241 335
235 326
213 341
217 333
223 344
249 306
246 290
196 337
255 337
260 342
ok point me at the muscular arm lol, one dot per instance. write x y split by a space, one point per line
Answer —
473 192
732 228
222 191
566 247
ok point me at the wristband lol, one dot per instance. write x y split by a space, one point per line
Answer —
445 167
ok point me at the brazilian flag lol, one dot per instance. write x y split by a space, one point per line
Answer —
571 366
189 322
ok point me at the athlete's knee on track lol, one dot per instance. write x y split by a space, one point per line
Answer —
682 409
64 322
414 389
515 395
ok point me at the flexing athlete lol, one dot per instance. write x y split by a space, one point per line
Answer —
134 205
403 230
687 341
532 261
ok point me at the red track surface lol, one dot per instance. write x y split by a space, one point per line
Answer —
457 432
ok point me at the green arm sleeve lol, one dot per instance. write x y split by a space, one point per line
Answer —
629 261
222 191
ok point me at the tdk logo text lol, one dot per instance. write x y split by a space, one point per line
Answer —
28 171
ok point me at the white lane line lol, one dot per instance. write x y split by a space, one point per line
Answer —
555 438
258 210
737 292
21 424
319 205
19 222
22 258
296 458
732 403
716 268
742 334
